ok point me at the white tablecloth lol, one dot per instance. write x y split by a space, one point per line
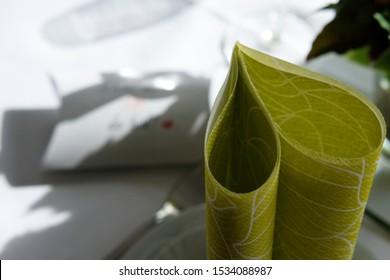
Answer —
86 215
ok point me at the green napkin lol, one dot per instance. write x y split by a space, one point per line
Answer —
290 157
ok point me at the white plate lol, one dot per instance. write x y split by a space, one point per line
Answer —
183 237
179 237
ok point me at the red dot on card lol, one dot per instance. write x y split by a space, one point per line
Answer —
167 124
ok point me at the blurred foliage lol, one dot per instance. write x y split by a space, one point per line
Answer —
361 30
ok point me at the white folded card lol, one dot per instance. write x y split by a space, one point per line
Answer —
158 118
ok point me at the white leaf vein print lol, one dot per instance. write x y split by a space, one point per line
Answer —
290 156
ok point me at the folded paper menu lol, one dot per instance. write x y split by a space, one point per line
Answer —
290 157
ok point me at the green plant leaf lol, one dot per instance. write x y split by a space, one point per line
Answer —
289 161
383 20
359 55
354 26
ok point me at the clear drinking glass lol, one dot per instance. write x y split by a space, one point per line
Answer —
273 28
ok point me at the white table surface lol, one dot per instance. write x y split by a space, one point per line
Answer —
86 215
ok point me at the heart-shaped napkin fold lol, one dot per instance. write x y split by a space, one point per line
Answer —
290 157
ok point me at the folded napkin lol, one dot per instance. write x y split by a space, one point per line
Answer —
290 157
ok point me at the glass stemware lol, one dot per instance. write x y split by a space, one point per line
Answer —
275 30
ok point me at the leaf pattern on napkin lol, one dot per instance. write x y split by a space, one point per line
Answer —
290 157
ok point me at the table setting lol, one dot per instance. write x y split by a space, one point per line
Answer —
188 129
